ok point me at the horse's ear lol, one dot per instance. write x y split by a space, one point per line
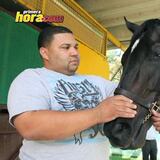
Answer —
131 26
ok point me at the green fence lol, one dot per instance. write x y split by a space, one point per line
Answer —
18 50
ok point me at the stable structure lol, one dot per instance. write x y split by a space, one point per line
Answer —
18 51
110 13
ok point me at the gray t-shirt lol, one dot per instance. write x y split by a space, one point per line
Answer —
41 89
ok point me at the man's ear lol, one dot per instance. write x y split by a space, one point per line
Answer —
44 53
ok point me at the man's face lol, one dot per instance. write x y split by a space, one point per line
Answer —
61 55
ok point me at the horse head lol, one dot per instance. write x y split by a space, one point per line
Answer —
140 81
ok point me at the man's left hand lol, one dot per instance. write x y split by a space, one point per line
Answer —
156 120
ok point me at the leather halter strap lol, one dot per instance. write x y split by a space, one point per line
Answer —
133 96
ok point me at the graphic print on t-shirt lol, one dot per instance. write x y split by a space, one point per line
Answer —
78 96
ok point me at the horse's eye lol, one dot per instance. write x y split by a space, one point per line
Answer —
156 50
158 54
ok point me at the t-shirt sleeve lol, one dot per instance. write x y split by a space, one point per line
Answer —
107 87
110 88
27 93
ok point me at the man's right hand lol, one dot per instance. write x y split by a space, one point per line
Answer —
114 107
56 125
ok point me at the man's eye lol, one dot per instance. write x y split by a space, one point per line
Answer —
67 47
76 47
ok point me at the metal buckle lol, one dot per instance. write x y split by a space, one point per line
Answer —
153 107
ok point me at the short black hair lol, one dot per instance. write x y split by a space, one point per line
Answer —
46 35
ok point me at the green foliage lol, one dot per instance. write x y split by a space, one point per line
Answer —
114 59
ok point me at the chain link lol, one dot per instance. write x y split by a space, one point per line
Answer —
155 107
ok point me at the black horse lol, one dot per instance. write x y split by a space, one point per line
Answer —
140 81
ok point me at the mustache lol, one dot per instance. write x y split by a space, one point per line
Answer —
74 58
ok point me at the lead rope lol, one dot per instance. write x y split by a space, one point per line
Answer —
155 107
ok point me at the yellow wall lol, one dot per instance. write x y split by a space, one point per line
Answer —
92 63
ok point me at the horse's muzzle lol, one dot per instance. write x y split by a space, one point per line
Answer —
125 134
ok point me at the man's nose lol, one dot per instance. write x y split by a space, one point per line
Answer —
74 51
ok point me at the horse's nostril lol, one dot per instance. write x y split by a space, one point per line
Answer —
119 135
121 127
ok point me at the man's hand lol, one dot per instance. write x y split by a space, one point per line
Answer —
156 120
114 107
51 124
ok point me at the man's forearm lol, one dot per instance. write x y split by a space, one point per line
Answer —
46 125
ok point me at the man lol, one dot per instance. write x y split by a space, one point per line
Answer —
149 150
58 112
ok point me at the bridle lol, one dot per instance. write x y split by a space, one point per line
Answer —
141 101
